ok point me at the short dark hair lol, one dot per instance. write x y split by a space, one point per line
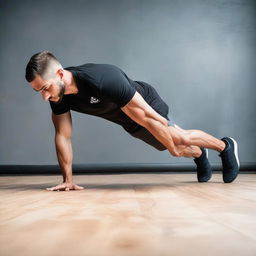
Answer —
38 64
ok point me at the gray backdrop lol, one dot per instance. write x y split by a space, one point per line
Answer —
198 54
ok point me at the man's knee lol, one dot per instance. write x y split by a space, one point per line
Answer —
180 137
185 140
175 152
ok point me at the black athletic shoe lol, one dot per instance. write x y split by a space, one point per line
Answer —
204 169
230 161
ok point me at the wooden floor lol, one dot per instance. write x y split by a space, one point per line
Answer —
130 214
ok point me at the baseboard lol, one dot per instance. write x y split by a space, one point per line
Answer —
111 168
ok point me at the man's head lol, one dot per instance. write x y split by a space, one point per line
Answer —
44 72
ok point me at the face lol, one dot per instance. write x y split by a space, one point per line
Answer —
52 89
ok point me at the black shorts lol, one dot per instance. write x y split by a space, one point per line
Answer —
146 136
143 134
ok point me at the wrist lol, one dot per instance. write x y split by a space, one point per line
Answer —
68 179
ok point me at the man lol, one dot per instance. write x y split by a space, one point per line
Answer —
106 91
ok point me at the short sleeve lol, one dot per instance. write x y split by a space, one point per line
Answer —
60 108
117 86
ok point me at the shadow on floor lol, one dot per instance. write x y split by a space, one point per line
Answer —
112 186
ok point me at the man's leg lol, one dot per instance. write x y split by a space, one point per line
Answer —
204 169
188 151
194 138
227 147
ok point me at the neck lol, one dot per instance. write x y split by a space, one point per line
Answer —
70 84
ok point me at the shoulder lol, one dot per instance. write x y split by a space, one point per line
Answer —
82 73
61 107
94 67
79 68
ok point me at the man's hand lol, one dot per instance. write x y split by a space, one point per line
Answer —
65 187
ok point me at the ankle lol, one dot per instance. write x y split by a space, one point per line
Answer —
223 146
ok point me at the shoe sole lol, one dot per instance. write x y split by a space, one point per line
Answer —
236 151
206 152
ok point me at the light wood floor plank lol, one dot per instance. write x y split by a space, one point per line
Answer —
128 215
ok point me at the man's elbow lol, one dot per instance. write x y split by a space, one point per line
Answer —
64 135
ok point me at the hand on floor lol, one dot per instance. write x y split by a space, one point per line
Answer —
65 187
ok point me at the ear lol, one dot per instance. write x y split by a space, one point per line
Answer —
60 72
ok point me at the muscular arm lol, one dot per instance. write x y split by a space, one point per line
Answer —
143 114
63 132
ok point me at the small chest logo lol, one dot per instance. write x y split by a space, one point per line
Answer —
94 100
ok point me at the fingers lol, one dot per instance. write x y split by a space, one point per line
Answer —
63 187
57 188
76 187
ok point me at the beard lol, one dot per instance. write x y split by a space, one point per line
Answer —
61 93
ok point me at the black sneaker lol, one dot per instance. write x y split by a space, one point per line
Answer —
230 161
204 169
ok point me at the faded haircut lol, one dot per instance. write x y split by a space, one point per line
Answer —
42 63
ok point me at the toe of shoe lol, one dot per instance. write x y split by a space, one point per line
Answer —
230 177
229 180
204 178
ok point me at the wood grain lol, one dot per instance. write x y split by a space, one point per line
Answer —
130 214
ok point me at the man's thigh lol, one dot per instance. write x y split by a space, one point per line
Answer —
160 106
144 135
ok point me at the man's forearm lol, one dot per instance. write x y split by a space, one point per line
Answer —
162 133
65 156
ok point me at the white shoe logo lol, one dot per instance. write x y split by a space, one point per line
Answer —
94 100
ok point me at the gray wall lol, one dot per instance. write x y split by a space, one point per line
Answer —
198 54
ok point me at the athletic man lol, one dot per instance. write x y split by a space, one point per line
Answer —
106 91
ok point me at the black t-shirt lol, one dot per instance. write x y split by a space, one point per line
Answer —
102 90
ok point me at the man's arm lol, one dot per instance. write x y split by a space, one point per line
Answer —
142 113
63 133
